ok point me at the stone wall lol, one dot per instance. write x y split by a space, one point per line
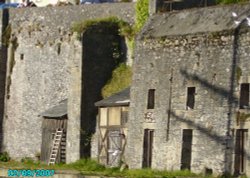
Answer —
171 63
44 68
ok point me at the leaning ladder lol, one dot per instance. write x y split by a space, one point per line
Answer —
55 146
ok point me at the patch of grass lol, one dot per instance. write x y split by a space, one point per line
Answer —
85 165
91 167
121 79
147 173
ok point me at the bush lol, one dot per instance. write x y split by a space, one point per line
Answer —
121 79
141 13
4 157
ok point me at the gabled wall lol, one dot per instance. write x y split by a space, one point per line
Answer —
169 63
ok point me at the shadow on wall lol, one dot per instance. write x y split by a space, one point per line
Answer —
3 68
102 53
232 101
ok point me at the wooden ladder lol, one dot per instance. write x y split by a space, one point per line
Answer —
55 146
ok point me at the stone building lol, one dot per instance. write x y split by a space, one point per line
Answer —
47 63
189 103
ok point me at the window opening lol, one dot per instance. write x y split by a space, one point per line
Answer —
244 95
190 98
151 99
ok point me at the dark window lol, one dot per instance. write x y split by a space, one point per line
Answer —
244 95
124 117
21 56
151 98
186 152
190 97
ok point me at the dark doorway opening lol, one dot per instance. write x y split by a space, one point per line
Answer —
102 52
244 95
240 157
147 148
186 153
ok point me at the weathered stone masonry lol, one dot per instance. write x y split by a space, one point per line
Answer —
45 69
203 50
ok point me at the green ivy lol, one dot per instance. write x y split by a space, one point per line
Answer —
141 13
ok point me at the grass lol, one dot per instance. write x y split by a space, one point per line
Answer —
90 167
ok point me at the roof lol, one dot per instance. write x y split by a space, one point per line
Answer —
56 111
119 99
196 20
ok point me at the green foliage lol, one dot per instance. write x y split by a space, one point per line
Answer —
86 165
141 13
148 173
4 157
110 24
91 167
230 1
27 160
121 79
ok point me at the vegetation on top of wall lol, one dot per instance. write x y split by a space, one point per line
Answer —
230 1
142 14
121 79
110 24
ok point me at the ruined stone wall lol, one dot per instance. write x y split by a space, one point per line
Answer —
45 67
207 61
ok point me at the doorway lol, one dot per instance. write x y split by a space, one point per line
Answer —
147 148
240 157
114 147
186 153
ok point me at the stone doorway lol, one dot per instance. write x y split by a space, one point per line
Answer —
147 148
240 157
186 153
